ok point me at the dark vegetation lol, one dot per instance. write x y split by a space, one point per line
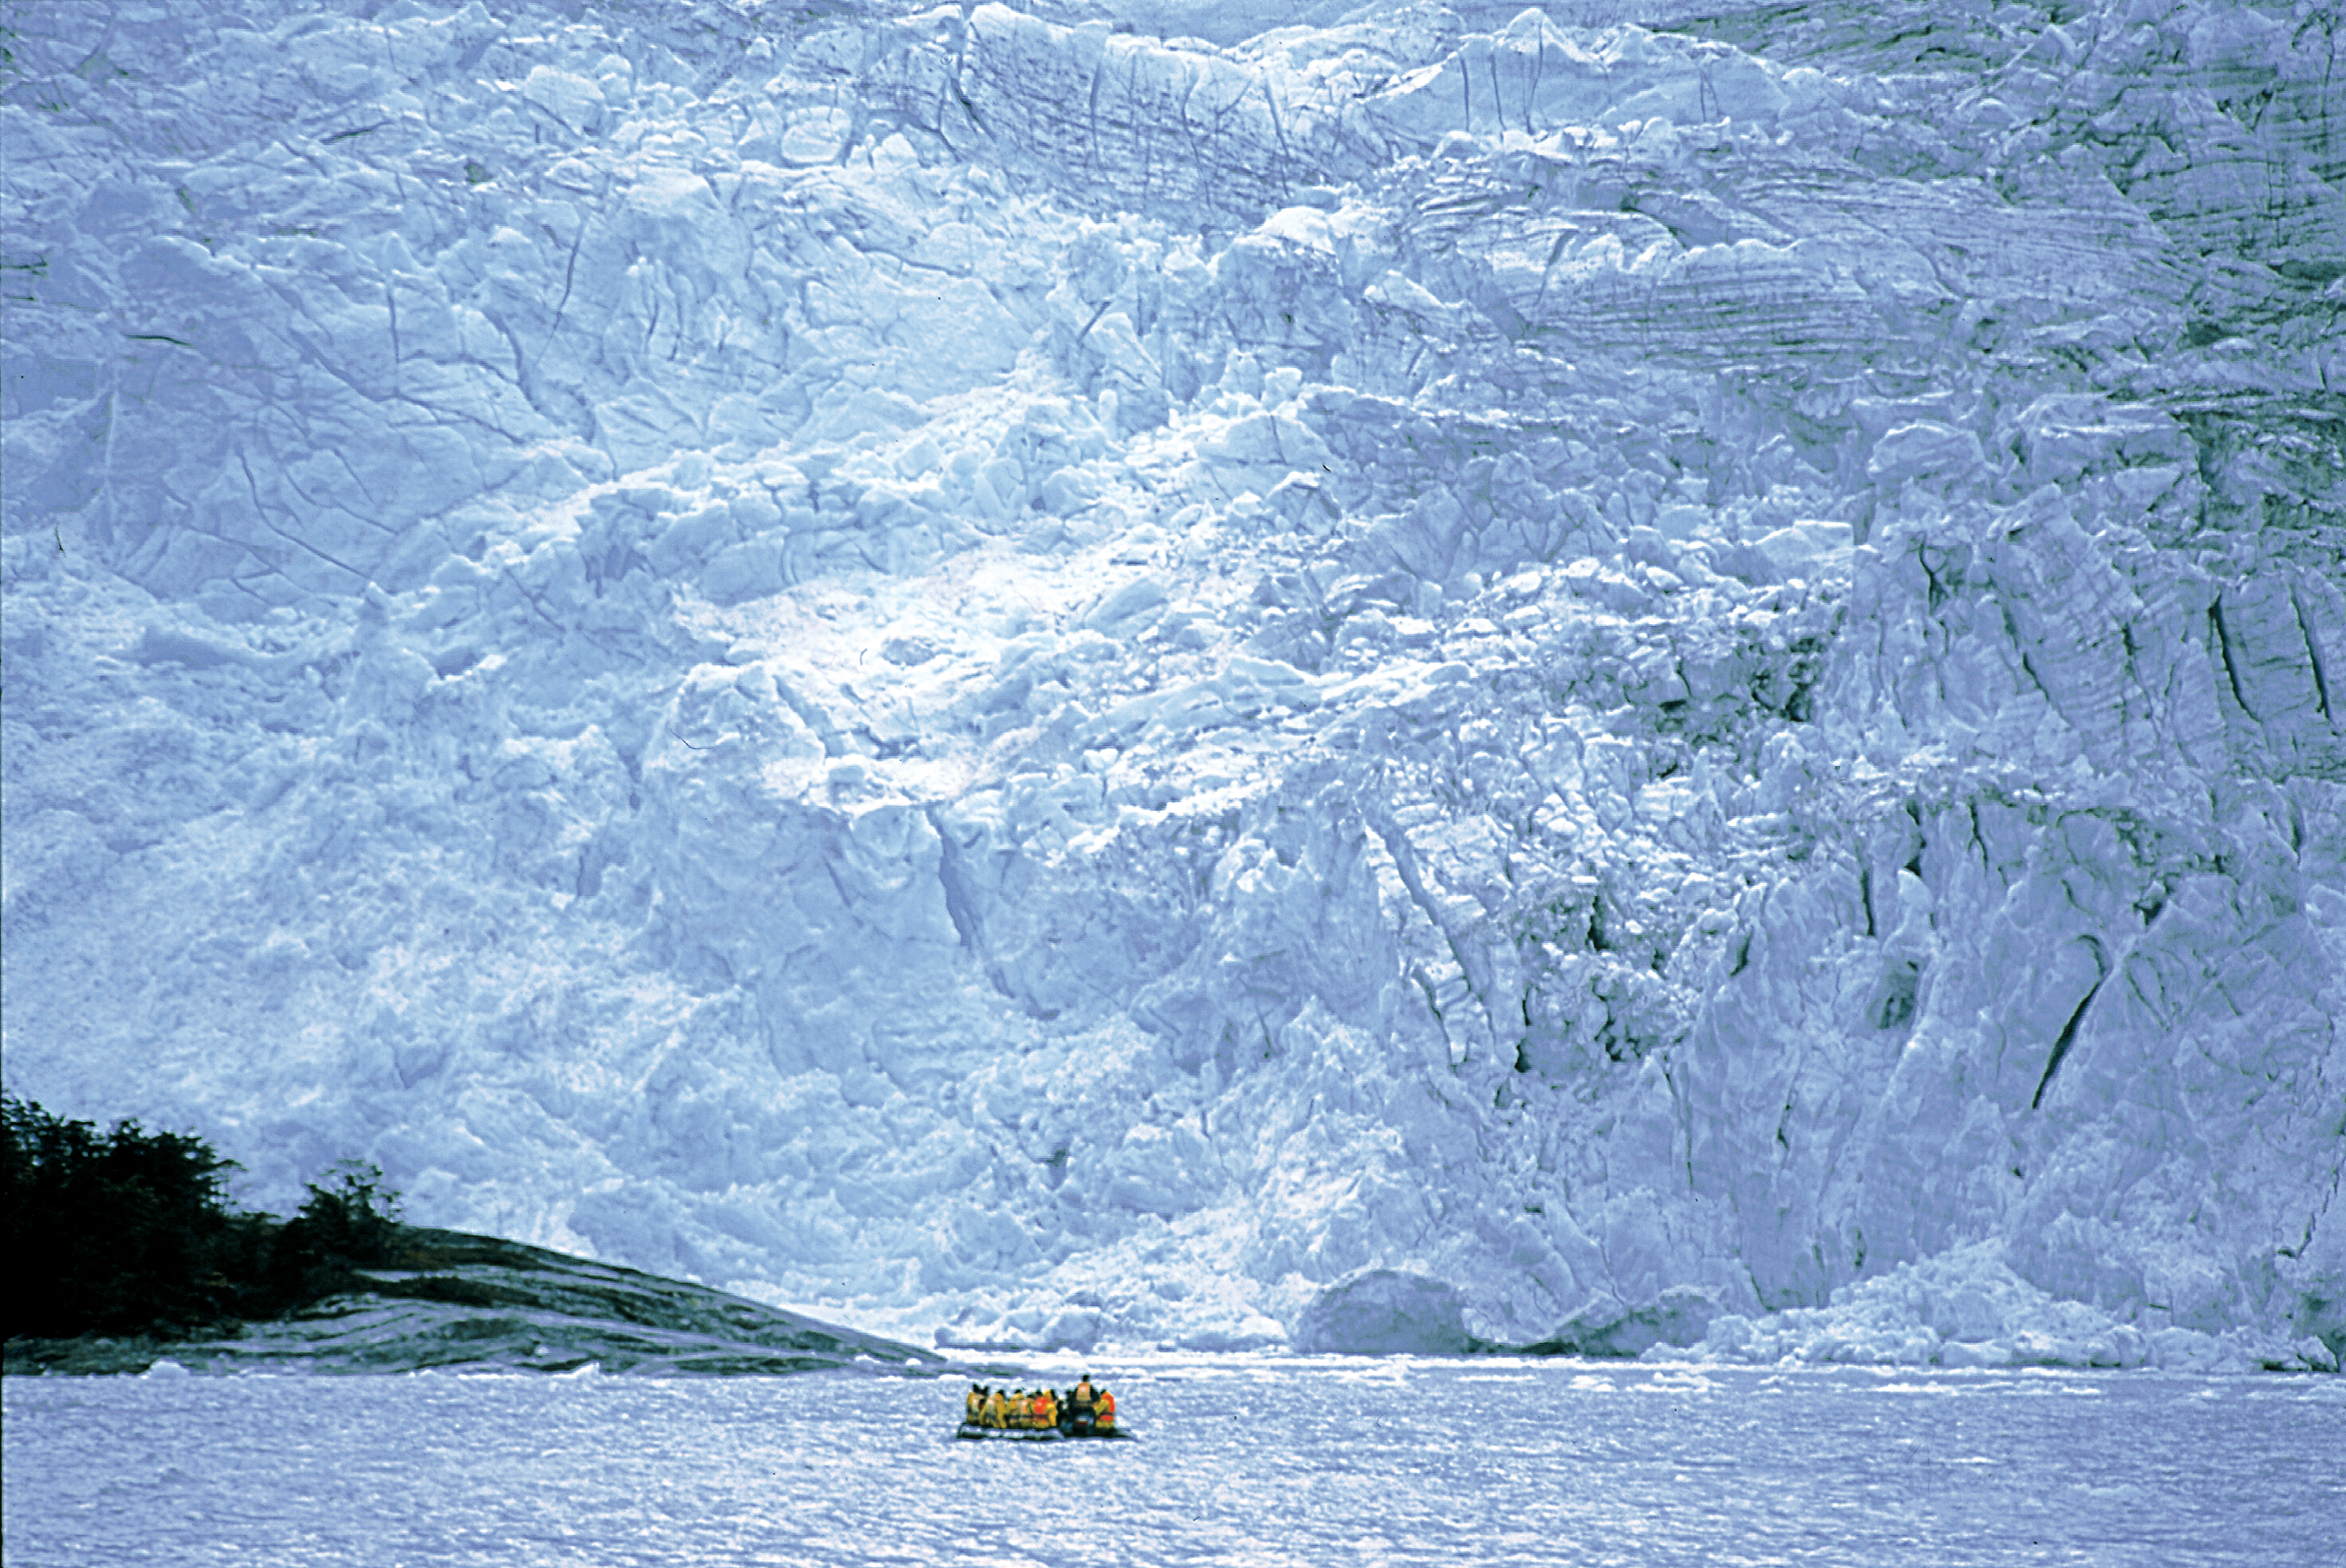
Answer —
131 1232
125 1251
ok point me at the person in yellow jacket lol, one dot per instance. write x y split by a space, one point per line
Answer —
997 1411
972 1404
1103 1411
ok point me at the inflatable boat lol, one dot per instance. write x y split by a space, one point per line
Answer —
1065 1432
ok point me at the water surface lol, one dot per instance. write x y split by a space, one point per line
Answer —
1242 1460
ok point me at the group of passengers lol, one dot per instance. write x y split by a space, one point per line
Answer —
1083 1407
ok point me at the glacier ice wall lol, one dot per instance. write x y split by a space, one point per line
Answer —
1439 674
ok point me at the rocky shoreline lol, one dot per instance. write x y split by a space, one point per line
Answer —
450 1299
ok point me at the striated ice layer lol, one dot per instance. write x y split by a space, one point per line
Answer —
1614 677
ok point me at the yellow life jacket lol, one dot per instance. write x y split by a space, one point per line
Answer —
994 1408
970 1406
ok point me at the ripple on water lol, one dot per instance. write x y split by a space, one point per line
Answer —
1250 1461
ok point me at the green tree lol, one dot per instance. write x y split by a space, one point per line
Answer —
110 1232
130 1231
349 1219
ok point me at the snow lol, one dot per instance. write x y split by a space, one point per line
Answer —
1097 675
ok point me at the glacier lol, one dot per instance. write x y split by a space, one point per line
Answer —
1632 676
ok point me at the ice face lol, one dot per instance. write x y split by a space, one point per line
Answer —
1095 674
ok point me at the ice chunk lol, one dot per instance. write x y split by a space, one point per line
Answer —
816 135
1678 1316
572 99
1383 1312
1927 452
1809 550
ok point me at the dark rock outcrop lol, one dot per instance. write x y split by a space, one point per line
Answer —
449 1299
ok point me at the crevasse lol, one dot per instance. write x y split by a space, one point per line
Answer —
1621 677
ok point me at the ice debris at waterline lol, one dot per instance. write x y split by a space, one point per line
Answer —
1207 675
477 1303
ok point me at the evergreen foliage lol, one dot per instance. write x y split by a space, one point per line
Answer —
130 1231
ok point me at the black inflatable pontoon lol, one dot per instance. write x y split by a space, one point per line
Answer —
1065 1432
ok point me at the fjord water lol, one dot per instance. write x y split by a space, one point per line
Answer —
1243 1462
